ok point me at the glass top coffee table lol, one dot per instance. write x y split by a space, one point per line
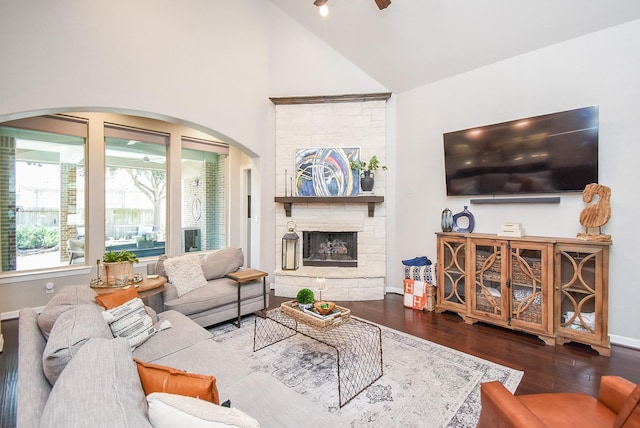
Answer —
357 343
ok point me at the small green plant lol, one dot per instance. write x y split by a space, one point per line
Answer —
120 256
305 297
30 237
373 164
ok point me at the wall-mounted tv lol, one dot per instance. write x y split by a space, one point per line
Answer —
551 153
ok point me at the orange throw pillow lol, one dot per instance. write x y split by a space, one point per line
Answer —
155 378
113 300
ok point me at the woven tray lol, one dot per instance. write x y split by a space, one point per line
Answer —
292 310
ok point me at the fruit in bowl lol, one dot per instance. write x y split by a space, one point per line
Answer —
324 308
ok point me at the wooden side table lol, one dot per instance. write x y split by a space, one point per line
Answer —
247 275
149 289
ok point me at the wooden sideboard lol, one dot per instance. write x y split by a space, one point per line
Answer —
555 288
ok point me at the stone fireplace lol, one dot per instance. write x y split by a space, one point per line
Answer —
339 249
341 240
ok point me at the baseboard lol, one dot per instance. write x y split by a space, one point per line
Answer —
624 341
12 315
394 290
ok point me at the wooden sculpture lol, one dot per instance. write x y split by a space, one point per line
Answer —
597 214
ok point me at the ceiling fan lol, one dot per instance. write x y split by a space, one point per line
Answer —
382 4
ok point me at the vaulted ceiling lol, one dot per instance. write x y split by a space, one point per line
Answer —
415 42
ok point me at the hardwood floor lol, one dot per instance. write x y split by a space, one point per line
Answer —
568 368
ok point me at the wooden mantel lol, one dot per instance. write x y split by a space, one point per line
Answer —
371 201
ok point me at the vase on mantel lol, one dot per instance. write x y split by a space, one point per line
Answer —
366 181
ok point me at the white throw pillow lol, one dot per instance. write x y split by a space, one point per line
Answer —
170 411
185 273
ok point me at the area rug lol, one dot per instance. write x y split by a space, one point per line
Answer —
423 385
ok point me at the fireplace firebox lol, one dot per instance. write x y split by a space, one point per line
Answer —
330 249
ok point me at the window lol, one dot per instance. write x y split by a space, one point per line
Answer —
42 219
204 195
135 190
51 199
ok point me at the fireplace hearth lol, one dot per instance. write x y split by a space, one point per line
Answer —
338 249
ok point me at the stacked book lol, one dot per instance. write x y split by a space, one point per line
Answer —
511 229
313 311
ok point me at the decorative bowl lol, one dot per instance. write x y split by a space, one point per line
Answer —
324 307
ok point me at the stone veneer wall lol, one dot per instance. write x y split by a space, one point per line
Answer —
338 124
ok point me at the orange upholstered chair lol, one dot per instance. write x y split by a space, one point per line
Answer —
617 405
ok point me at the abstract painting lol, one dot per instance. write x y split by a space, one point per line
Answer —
326 172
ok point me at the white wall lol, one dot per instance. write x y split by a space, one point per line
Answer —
202 64
599 69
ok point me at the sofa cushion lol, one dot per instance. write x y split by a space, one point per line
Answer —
100 387
117 298
629 415
171 410
183 334
65 299
185 273
157 378
219 263
219 292
130 321
160 270
71 331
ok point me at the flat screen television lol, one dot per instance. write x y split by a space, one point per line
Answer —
551 153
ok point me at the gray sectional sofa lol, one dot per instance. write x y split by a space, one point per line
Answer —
99 384
217 301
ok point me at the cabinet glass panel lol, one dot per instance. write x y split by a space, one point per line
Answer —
526 285
578 288
488 279
454 272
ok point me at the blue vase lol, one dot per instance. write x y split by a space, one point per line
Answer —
464 213
447 220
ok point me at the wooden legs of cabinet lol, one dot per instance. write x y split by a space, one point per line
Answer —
548 340
604 350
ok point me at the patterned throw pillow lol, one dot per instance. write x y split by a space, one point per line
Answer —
130 321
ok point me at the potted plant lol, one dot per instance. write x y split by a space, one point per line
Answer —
118 267
305 298
366 169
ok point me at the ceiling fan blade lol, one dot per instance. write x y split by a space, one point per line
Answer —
382 4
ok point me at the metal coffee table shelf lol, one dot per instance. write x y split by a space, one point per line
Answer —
358 346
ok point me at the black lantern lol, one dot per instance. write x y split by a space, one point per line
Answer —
290 248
